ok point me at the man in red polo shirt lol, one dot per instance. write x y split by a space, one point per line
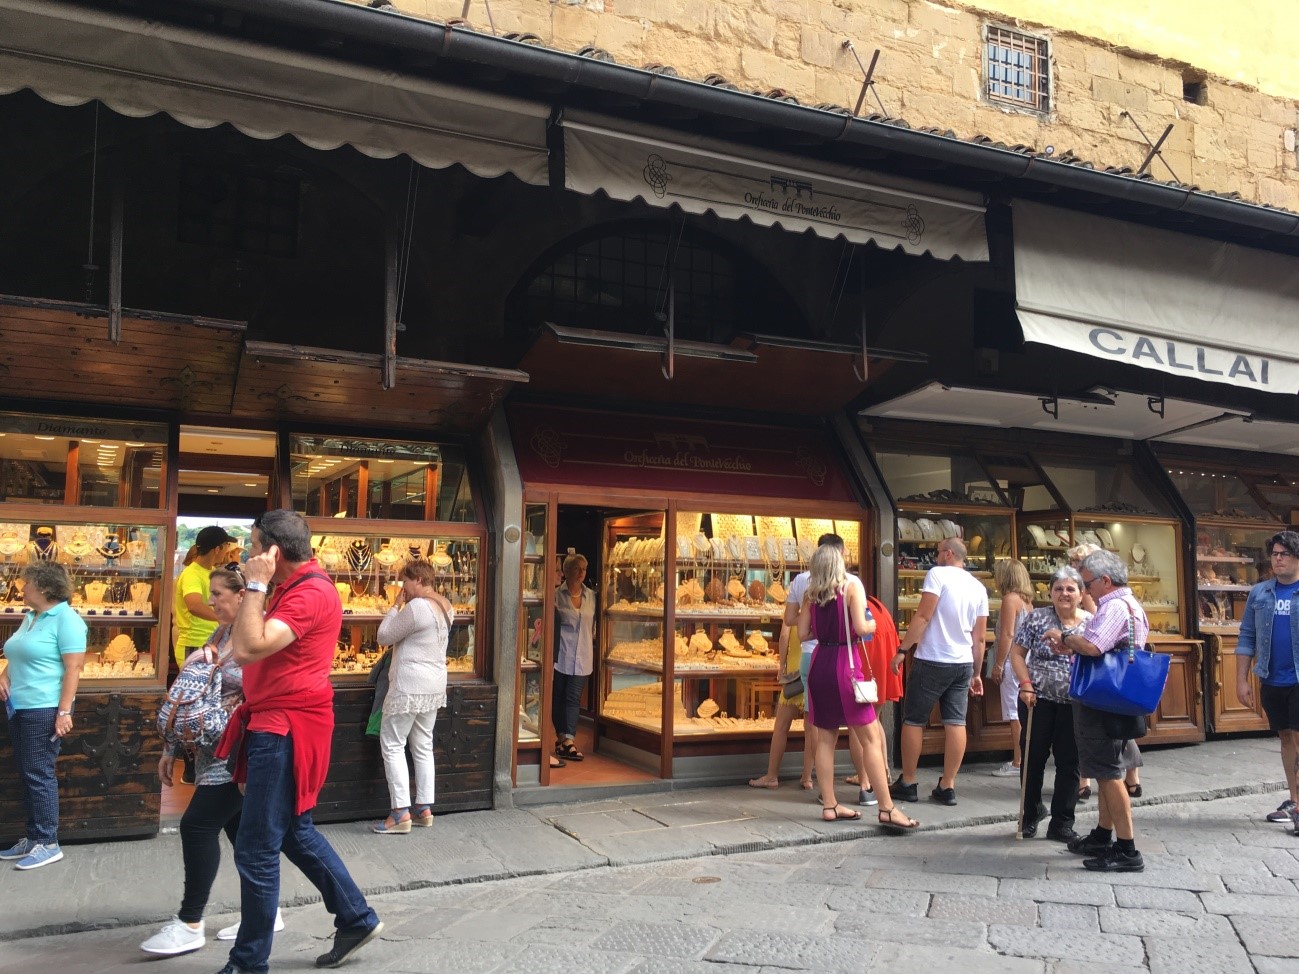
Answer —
281 737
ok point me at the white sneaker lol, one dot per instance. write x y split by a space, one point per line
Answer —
177 937
232 931
1007 770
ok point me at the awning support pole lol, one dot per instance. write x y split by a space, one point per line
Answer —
115 264
1050 405
669 363
391 274
864 372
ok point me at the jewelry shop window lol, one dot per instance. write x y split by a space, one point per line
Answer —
374 506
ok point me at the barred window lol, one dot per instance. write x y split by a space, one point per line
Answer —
1018 69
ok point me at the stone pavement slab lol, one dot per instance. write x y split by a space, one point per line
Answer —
125 884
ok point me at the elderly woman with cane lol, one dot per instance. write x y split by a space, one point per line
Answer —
1045 711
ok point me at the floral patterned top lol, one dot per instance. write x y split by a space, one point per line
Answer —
1048 671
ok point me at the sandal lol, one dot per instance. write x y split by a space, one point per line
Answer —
763 782
556 763
1134 791
806 785
421 816
836 814
889 821
852 779
567 749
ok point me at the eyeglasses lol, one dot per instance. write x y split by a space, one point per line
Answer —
1281 554
1089 582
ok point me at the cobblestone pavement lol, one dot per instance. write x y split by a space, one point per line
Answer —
1219 894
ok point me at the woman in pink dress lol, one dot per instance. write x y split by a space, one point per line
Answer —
831 594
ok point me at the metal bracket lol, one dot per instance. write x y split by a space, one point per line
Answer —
868 82
668 365
1050 405
1151 401
464 13
865 357
1154 146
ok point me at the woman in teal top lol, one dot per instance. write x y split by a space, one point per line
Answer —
38 687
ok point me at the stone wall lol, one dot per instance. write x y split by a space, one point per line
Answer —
931 74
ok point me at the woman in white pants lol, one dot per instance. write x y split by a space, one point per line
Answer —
416 628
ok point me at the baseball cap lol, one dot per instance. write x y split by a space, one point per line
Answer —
211 537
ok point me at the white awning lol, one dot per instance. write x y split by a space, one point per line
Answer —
71 55
1167 301
1128 415
700 175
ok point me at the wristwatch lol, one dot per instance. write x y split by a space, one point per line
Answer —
256 587
65 713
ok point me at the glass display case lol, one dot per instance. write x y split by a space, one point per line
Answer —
1150 549
366 568
342 476
633 621
945 496
532 625
703 619
116 576
85 462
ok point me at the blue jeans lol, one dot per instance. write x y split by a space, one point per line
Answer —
34 754
565 703
267 827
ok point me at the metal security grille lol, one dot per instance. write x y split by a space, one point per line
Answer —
1018 69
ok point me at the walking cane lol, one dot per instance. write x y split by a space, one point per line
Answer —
1023 772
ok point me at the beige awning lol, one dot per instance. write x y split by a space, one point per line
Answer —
70 55
1167 301
700 175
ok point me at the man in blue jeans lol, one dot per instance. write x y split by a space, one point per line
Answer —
1269 638
280 737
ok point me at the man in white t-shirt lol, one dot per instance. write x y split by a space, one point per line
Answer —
948 628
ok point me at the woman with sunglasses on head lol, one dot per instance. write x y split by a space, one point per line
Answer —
217 801
1043 688
417 628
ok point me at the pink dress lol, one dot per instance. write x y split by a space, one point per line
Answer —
830 701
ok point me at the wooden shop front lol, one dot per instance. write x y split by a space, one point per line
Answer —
1020 494
695 528
99 487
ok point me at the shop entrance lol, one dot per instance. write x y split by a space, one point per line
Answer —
224 479
594 532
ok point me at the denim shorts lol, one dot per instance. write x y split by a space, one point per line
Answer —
945 684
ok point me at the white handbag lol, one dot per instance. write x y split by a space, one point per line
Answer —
864 688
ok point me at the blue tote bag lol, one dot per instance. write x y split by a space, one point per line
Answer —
1123 681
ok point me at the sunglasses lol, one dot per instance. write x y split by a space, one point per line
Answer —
235 567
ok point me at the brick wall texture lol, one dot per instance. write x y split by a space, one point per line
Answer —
931 73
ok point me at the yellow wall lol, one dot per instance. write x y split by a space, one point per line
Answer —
1250 41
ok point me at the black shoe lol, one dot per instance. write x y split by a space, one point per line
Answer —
904 792
944 796
1116 861
1090 845
1062 834
346 943
1031 822
231 969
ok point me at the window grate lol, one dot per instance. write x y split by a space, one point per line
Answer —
1018 69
